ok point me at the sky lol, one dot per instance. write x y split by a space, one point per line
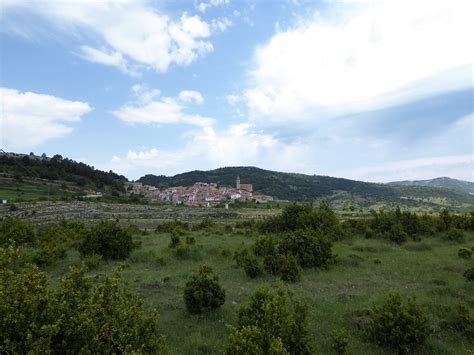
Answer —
369 90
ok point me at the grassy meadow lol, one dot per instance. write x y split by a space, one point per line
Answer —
365 269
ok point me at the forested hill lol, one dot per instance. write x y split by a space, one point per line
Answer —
30 166
446 182
288 186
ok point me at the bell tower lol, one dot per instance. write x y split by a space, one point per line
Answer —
237 183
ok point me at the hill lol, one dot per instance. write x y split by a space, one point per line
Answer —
31 177
301 187
444 182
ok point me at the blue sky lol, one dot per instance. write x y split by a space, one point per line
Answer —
376 91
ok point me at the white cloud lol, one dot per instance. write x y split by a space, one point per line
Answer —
324 68
208 149
149 108
456 166
220 24
29 119
189 95
114 59
131 33
233 99
203 6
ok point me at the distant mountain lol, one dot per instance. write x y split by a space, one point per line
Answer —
301 187
445 182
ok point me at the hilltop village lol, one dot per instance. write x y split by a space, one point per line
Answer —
199 194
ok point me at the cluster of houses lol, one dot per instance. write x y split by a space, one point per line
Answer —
199 194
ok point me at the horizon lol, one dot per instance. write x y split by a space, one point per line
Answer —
375 92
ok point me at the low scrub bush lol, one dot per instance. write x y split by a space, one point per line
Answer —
185 252
396 234
340 341
270 264
174 241
398 324
469 274
173 226
240 255
288 268
190 240
252 267
92 261
464 253
107 239
264 245
205 224
273 322
203 293
309 249
15 230
81 316
463 320
455 235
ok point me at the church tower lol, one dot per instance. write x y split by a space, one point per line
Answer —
238 183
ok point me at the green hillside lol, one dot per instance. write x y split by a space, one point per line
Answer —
301 187
444 182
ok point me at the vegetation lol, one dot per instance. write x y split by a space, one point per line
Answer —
334 300
80 316
203 292
107 239
273 322
398 324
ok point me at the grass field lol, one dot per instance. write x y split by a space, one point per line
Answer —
365 270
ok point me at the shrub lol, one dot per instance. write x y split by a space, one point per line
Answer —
182 252
169 227
464 253
252 267
469 274
397 234
288 268
174 241
270 263
464 320
53 242
190 240
92 261
398 324
107 239
271 323
206 223
81 316
264 245
340 341
240 255
310 249
14 229
203 292
455 235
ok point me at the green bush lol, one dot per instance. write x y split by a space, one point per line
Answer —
264 245
16 230
309 248
240 255
190 240
273 322
288 268
252 267
396 234
107 239
203 292
340 341
464 253
455 235
81 316
463 321
270 264
92 261
169 227
469 274
174 241
398 324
